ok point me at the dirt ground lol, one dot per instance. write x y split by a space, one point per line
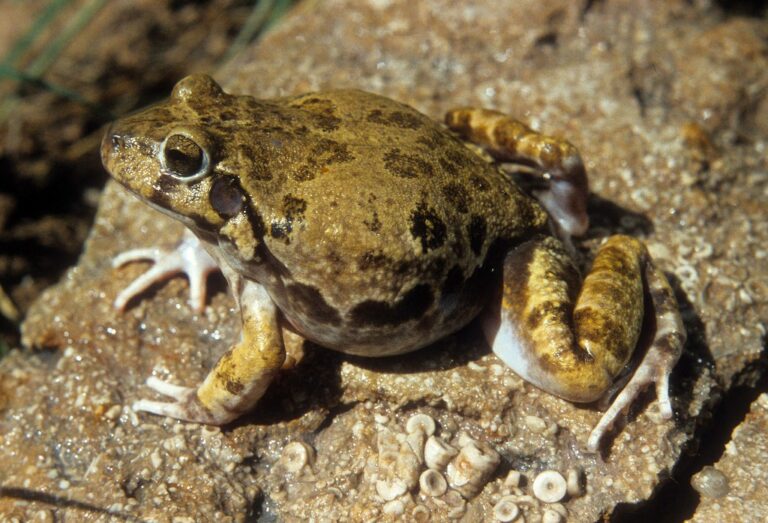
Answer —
668 101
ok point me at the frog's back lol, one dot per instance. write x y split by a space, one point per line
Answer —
381 219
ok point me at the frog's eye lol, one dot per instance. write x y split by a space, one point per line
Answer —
184 158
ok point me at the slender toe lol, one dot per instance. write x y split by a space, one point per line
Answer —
168 389
149 253
189 258
161 408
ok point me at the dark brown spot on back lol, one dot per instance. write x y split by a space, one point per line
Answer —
374 224
281 229
456 196
400 119
294 207
449 167
405 120
427 227
477 233
293 211
406 165
326 152
233 386
372 260
478 182
304 173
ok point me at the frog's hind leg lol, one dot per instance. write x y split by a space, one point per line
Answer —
574 342
240 377
507 139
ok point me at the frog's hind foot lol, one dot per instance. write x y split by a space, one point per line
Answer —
559 162
189 258
574 339
657 363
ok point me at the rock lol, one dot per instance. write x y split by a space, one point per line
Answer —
664 164
743 496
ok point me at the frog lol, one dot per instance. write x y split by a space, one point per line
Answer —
360 224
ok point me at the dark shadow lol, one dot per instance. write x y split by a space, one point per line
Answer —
588 6
603 214
607 215
62 502
757 8
318 378
454 350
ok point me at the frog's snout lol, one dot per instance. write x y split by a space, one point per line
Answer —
111 144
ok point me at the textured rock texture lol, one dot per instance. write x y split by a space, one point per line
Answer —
666 101
735 488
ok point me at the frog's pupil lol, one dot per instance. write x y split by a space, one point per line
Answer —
183 156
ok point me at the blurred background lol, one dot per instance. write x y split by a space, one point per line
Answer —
68 67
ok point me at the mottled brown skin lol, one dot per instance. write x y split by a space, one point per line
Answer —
395 211
354 221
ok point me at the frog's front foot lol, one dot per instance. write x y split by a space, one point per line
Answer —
189 258
186 406
240 377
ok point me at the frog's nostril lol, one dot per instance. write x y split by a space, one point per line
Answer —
117 141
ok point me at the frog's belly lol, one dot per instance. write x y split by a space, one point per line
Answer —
377 329
382 340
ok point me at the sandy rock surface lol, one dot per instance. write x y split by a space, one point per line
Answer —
664 100
734 489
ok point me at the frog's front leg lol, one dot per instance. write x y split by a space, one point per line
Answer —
574 342
559 161
189 258
242 374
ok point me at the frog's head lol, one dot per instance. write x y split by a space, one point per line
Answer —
173 154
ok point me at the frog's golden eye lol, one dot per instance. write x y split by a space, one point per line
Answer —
183 157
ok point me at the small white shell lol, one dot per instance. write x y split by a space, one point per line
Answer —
438 453
465 439
386 440
394 508
388 460
513 479
390 489
551 516
457 504
432 483
398 471
296 455
535 424
471 468
506 509
421 423
710 482
415 441
407 466
574 483
549 486
420 514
